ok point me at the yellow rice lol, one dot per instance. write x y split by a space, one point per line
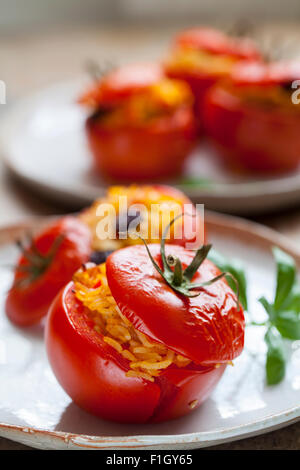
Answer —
147 196
188 59
146 357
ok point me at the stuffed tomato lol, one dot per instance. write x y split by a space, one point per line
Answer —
146 336
147 209
141 124
253 120
203 56
49 259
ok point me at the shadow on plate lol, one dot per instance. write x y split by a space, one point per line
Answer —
76 420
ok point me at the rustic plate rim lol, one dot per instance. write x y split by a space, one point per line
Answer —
167 441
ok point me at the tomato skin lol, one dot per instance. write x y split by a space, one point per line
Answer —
183 388
214 42
149 152
93 373
265 74
251 137
208 329
89 370
199 83
121 83
26 305
128 80
217 42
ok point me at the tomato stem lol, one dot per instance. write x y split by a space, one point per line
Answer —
176 278
199 257
178 274
38 262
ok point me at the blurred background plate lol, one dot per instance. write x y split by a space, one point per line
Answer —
43 144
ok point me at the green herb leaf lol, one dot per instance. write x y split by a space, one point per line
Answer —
284 315
286 274
292 301
235 268
196 182
276 361
288 324
268 308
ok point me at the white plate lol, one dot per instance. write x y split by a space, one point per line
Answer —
43 144
36 411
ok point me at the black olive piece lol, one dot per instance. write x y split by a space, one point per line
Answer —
124 220
99 114
99 257
287 86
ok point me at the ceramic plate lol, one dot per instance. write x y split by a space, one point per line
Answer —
43 144
36 411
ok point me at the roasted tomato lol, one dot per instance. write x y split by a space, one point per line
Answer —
146 337
146 208
141 125
252 119
44 267
203 56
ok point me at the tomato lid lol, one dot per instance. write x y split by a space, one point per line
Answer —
217 42
259 74
122 82
208 329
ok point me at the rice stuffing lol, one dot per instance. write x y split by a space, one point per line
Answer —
146 358
168 207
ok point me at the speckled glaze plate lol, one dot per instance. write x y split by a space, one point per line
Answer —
34 409
43 144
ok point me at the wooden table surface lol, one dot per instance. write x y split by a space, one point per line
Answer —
32 60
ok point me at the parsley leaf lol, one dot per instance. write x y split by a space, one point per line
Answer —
288 324
268 307
286 274
234 267
284 315
276 360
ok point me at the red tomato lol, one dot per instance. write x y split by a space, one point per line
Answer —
266 74
217 42
255 134
155 151
152 307
208 328
201 78
38 279
188 230
139 148
94 374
